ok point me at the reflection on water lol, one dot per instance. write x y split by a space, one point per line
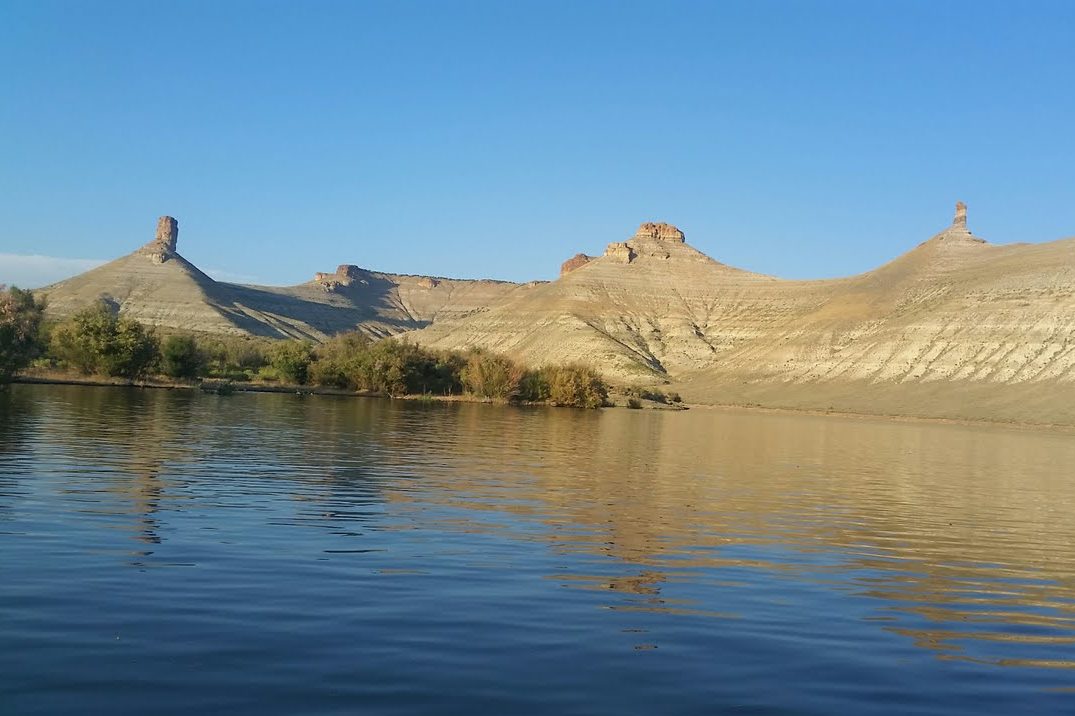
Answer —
262 552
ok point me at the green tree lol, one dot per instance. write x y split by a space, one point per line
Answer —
20 327
96 340
291 359
182 358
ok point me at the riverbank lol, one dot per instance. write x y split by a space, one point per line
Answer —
213 385
618 400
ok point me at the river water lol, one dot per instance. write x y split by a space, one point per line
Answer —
167 552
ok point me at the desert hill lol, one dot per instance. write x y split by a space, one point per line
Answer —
156 285
956 327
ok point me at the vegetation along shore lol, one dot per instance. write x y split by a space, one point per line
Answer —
96 346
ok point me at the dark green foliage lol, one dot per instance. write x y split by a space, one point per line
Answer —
182 358
392 367
20 330
656 396
634 403
235 357
96 340
291 360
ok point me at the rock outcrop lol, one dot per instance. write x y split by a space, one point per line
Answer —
576 261
659 231
620 252
163 246
345 275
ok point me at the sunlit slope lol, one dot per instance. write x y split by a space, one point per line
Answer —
956 327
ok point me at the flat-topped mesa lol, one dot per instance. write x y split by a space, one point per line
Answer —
576 261
659 231
345 275
162 248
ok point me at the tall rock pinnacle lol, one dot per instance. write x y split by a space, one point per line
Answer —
960 220
162 248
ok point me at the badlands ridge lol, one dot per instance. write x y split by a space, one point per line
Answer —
955 328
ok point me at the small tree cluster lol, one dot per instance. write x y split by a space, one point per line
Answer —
20 331
97 340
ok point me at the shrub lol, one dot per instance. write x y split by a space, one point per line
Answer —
492 376
181 357
337 362
576 386
534 387
96 340
634 403
291 360
20 326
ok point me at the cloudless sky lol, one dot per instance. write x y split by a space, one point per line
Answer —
472 139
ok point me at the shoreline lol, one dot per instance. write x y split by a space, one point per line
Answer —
249 387
58 378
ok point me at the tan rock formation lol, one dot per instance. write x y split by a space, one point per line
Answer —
163 246
960 220
576 261
620 252
659 232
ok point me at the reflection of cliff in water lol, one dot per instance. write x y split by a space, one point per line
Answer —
968 530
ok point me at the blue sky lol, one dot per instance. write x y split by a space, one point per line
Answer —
801 139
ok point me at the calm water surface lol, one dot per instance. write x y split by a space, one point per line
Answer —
163 552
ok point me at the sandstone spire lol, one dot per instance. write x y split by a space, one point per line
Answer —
162 247
960 220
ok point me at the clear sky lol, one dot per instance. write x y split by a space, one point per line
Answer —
472 139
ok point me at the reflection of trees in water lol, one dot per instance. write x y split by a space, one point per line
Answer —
18 415
124 439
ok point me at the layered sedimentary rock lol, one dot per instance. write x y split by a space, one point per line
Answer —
956 327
